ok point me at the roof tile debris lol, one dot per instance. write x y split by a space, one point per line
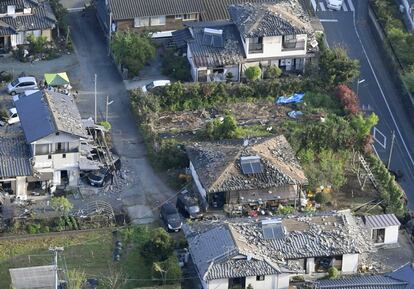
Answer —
213 245
218 164
381 221
47 112
40 18
282 18
14 154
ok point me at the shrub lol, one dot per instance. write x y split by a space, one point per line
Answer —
159 247
222 129
106 124
333 273
229 77
61 204
33 228
348 98
37 44
272 72
408 78
170 156
323 198
253 73
175 66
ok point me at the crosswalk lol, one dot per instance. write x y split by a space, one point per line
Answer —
320 5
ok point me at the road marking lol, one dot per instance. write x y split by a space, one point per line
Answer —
377 133
76 9
314 4
344 7
328 20
382 92
351 5
322 6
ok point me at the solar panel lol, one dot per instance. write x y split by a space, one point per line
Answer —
273 231
251 165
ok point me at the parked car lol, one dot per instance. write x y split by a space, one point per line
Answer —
188 206
99 177
335 4
155 83
170 217
13 116
22 84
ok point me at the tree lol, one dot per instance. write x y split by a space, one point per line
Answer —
168 269
336 67
408 78
61 204
132 50
222 129
229 77
76 279
333 273
363 125
348 99
253 73
272 72
323 198
159 247
37 44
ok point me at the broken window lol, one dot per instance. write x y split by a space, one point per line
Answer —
322 264
378 235
260 278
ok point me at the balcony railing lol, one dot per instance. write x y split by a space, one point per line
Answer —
255 47
293 45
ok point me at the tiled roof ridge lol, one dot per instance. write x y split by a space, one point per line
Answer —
49 104
221 179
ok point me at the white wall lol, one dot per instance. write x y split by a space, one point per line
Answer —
218 284
391 235
272 47
57 162
350 263
200 187
310 265
21 188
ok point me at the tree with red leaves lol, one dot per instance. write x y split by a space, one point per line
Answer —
348 99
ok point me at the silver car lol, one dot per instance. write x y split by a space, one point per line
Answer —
22 84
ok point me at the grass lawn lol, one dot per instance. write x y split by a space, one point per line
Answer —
88 251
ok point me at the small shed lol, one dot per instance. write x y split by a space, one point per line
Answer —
383 228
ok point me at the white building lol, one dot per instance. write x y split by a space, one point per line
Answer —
268 253
383 228
257 35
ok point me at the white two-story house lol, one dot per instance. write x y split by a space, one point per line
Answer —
53 129
258 35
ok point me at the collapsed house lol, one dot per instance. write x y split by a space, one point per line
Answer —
268 253
259 170
45 152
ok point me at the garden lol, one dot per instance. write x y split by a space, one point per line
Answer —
327 135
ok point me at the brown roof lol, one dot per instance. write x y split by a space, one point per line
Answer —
219 170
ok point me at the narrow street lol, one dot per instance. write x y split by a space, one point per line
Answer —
144 186
376 88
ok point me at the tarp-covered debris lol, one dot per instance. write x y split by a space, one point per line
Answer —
297 97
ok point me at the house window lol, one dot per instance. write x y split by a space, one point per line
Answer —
59 147
49 157
178 17
378 235
189 17
256 45
289 41
63 156
260 278
158 20
141 21
237 283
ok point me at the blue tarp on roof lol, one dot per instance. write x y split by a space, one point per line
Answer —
297 97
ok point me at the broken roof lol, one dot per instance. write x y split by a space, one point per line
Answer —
282 18
228 52
14 154
218 164
40 18
213 245
47 112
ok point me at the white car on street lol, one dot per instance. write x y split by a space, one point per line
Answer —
335 4
13 117
155 83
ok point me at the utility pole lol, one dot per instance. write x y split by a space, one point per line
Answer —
108 103
391 149
96 113
109 33
56 250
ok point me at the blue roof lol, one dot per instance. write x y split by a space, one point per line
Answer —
362 282
405 273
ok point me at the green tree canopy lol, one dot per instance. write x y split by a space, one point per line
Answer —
61 204
336 67
159 247
132 50
253 73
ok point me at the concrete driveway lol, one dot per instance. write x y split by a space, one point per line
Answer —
144 190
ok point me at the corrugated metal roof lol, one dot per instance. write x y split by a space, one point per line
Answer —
362 282
405 273
381 221
14 155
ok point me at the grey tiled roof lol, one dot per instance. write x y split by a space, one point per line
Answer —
208 56
47 112
181 37
381 221
362 282
405 274
218 164
214 245
14 155
129 9
41 18
258 20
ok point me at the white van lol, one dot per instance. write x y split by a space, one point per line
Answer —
13 117
22 84
155 83
335 4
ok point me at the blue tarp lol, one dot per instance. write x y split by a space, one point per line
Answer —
297 97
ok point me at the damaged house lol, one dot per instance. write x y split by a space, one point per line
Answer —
21 18
260 34
268 253
46 152
260 170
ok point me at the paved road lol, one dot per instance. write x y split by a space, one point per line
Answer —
378 90
73 4
145 188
